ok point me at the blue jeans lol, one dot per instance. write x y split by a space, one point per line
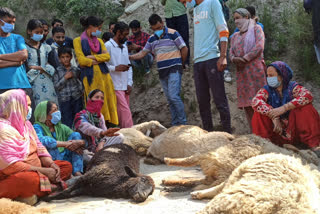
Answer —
145 63
171 86
69 110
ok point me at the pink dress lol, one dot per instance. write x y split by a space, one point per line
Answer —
251 77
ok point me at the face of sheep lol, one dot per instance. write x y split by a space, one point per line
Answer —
140 187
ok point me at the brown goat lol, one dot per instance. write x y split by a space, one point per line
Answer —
111 173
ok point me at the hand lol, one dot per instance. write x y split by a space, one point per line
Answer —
39 68
100 146
75 145
135 47
50 173
57 169
91 57
110 132
95 62
68 75
122 68
129 89
239 61
277 126
276 112
222 64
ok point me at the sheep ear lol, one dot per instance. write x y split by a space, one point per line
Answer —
130 172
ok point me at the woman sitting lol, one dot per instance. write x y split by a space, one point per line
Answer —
91 124
61 142
26 168
284 112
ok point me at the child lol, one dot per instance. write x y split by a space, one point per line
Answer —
68 87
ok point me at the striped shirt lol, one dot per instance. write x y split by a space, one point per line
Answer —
167 50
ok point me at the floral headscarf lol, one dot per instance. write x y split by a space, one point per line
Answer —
15 131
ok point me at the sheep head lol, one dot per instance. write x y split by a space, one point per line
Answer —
139 186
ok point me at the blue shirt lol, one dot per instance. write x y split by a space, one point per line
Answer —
13 77
237 30
209 27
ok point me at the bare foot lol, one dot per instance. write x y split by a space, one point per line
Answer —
196 195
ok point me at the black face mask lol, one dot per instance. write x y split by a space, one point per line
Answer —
122 41
137 33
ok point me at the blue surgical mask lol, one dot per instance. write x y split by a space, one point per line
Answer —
37 37
97 33
273 82
191 4
7 28
29 113
158 33
56 117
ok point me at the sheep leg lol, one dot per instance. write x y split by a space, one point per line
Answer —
188 182
208 193
189 161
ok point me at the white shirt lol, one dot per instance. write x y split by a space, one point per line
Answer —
119 56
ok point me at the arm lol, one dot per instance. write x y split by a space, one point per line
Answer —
16 167
302 97
259 102
5 64
59 79
82 59
18 56
184 54
139 55
49 69
48 142
104 56
231 51
257 50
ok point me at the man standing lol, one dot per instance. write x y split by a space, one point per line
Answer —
176 18
121 72
171 52
13 54
210 27
136 43
68 40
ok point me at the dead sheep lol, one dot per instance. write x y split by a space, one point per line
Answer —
184 141
217 165
113 172
7 206
267 184
140 136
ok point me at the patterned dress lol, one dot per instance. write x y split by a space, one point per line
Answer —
251 77
42 84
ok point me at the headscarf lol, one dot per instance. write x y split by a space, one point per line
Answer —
16 132
286 73
87 46
62 131
248 27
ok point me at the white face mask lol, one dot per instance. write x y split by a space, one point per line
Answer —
29 113
242 24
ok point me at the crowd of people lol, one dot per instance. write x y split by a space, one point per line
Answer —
76 91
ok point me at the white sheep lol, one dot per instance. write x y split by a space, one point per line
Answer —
8 206
267 184
151 129
183 141
218 164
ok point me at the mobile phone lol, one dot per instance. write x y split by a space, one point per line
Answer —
129 65
129 43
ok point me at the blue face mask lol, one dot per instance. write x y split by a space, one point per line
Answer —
191 4
37 37
158 33
7 28
56 117
97 33
273 82
29 113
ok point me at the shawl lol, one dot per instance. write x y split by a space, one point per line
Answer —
62 131
16 132
274 98
86 49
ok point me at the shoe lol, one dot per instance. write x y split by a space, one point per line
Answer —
227 76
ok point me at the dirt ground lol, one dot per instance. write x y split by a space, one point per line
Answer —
163 199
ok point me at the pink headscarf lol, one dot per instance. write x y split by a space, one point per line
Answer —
15 131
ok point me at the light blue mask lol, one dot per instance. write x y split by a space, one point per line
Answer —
158 33
273 82
7 28
29 113
37 37
56 117
191 4
97 33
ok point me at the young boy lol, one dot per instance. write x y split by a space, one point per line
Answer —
68 87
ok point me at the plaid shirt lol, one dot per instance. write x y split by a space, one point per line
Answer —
140 42
70 88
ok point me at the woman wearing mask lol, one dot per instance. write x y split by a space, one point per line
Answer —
61 142
27 170
246 52
39 72
90 123
284 112
92 55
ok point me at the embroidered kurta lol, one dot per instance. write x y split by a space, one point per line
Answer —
251 77
42 84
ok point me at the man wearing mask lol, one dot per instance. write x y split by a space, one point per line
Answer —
136 43
210 27
171 53
13 54
68 40
121 72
